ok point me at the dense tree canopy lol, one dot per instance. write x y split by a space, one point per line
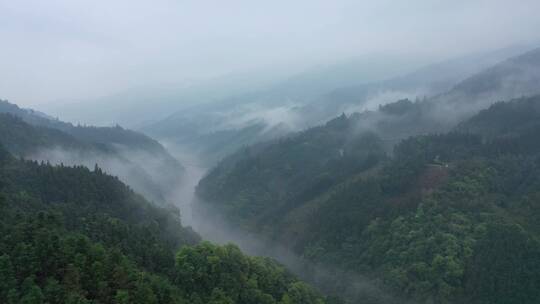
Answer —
448 218
72 235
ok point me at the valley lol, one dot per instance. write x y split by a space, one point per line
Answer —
240 152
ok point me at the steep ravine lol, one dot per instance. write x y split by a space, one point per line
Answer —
352 287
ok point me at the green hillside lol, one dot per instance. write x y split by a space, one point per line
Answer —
448 218
72 235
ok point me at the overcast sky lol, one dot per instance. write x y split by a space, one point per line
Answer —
75 49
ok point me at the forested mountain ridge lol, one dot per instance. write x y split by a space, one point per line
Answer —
287 171
57 147
447 218
508 77
139 160
72 235
504 118
516 75
23 139
513 78
100 135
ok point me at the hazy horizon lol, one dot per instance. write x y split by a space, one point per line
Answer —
277 152
66 51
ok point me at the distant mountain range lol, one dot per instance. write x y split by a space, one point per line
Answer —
216 129
147 104
424 82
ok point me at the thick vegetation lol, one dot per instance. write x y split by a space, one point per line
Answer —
263 182
449 218
71 235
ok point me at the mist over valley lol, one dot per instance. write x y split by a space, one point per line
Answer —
313 152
